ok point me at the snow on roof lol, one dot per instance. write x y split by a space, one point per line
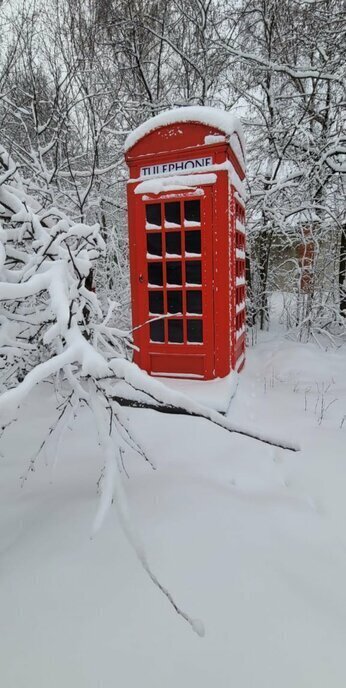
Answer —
226 122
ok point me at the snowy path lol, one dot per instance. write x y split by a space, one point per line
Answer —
248 539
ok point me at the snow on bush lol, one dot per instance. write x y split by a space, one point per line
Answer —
52 325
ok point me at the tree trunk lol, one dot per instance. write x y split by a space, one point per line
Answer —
342 272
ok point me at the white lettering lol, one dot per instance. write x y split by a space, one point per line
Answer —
176 166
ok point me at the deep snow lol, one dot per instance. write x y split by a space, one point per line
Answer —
249 539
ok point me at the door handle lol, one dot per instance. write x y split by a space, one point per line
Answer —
141 278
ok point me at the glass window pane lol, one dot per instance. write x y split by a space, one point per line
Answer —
194 301
155 274
195 331
173 243
193 242
192 211
156 302
175 331
174 302
154 244
174 272
193 272
153 214
172 212
157 332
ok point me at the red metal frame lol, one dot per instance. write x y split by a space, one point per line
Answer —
222 258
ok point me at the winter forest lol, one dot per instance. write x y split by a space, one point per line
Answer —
130 528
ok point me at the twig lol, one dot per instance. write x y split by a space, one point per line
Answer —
180 411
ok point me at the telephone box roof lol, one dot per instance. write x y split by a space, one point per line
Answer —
225 122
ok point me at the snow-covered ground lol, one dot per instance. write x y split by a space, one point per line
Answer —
249 539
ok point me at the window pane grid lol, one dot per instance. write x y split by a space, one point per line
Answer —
181 327
165 303
184 280
240 243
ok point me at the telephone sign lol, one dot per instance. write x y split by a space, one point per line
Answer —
179 166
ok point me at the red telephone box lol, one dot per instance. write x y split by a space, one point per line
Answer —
186 218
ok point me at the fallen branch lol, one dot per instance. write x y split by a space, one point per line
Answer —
180 411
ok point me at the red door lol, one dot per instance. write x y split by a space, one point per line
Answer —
175 284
